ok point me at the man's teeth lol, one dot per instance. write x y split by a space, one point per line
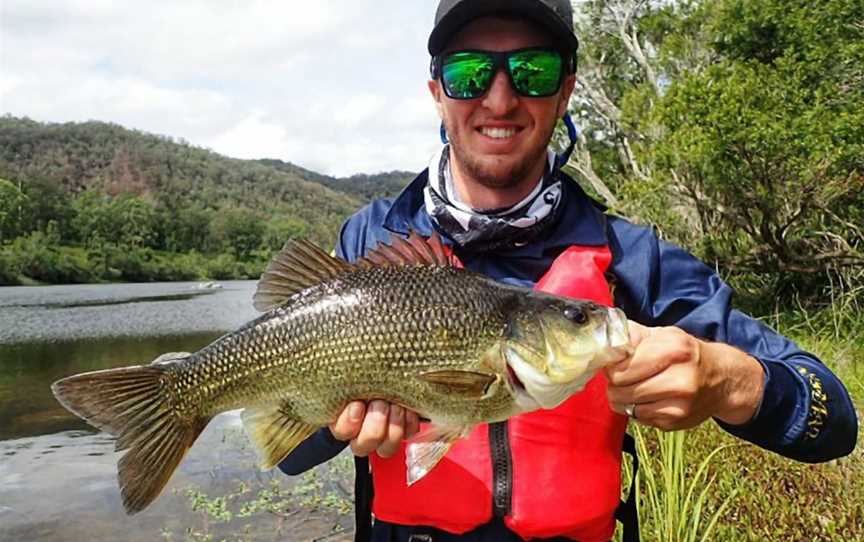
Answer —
498 133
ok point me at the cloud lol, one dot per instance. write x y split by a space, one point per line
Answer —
253 137
337 86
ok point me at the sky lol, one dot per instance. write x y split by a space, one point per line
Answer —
336 86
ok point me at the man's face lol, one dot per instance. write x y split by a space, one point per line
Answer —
500 139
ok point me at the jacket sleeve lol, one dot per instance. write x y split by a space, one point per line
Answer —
805 414
322 446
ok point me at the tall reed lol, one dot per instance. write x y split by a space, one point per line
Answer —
672 496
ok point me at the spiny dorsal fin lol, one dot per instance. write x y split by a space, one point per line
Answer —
274 433
299 265
416 250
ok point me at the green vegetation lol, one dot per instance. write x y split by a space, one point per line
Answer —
320 501
96 202
736 128
756 495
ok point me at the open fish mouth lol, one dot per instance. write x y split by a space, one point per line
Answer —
513 378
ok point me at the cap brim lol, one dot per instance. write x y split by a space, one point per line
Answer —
466 12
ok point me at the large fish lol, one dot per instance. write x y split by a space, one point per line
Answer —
403 324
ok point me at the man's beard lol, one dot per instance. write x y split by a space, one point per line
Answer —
512 176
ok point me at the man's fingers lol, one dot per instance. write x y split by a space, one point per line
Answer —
637 332
350 420
671 414
412 423
657 351
643 364
677 381
374 429
378 426
395 432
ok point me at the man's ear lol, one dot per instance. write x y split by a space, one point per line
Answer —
436 91
566 91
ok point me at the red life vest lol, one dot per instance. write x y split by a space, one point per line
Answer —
566 462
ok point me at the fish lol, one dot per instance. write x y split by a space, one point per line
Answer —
405 323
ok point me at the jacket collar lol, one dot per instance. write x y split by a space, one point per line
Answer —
582 221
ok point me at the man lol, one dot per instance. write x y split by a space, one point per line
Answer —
502 74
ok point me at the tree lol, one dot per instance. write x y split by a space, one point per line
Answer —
240 231
767 144
733 125
136 220
13 211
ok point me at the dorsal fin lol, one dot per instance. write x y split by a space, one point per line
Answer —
299 265
416 250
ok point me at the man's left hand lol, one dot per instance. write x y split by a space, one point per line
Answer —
675 381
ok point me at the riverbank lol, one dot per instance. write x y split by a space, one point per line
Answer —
39 260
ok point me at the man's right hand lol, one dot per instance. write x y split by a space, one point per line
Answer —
377 427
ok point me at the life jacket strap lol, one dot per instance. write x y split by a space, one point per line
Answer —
364 491
626 512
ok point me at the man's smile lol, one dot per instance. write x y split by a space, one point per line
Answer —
498 133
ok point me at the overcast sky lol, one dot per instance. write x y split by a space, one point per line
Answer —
337 86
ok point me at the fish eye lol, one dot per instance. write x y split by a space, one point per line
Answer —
575 315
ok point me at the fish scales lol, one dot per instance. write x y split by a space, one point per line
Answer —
364 335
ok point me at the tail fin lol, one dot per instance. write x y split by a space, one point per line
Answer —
129 403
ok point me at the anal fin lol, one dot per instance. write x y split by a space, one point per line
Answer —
274 433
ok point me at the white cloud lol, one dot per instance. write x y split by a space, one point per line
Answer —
337 86
253 137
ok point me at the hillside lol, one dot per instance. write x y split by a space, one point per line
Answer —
363 186
114 160
96 186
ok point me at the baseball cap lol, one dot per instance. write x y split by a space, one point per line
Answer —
554 15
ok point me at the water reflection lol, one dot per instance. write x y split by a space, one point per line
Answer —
58 477
49 332
27 407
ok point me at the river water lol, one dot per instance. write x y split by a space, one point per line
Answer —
58 474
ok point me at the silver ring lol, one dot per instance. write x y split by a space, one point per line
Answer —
630 410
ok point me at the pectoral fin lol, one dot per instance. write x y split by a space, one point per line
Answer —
464 383
428 447
274 433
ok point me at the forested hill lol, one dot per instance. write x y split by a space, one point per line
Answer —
113 160
97 186
364 186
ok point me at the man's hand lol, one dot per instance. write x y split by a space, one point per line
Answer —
377 427
677 381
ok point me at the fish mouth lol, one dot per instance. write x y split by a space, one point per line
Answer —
617 333
513 378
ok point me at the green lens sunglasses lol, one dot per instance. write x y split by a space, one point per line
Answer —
466 75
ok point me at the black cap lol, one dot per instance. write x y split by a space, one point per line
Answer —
554 15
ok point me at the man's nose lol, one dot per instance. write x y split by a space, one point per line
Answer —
501 98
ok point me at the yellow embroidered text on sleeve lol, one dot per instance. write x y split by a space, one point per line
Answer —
818 404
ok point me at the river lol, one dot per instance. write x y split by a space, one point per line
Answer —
58 474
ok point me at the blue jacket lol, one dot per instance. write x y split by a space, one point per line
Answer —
806 413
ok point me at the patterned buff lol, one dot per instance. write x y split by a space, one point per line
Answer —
486 230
